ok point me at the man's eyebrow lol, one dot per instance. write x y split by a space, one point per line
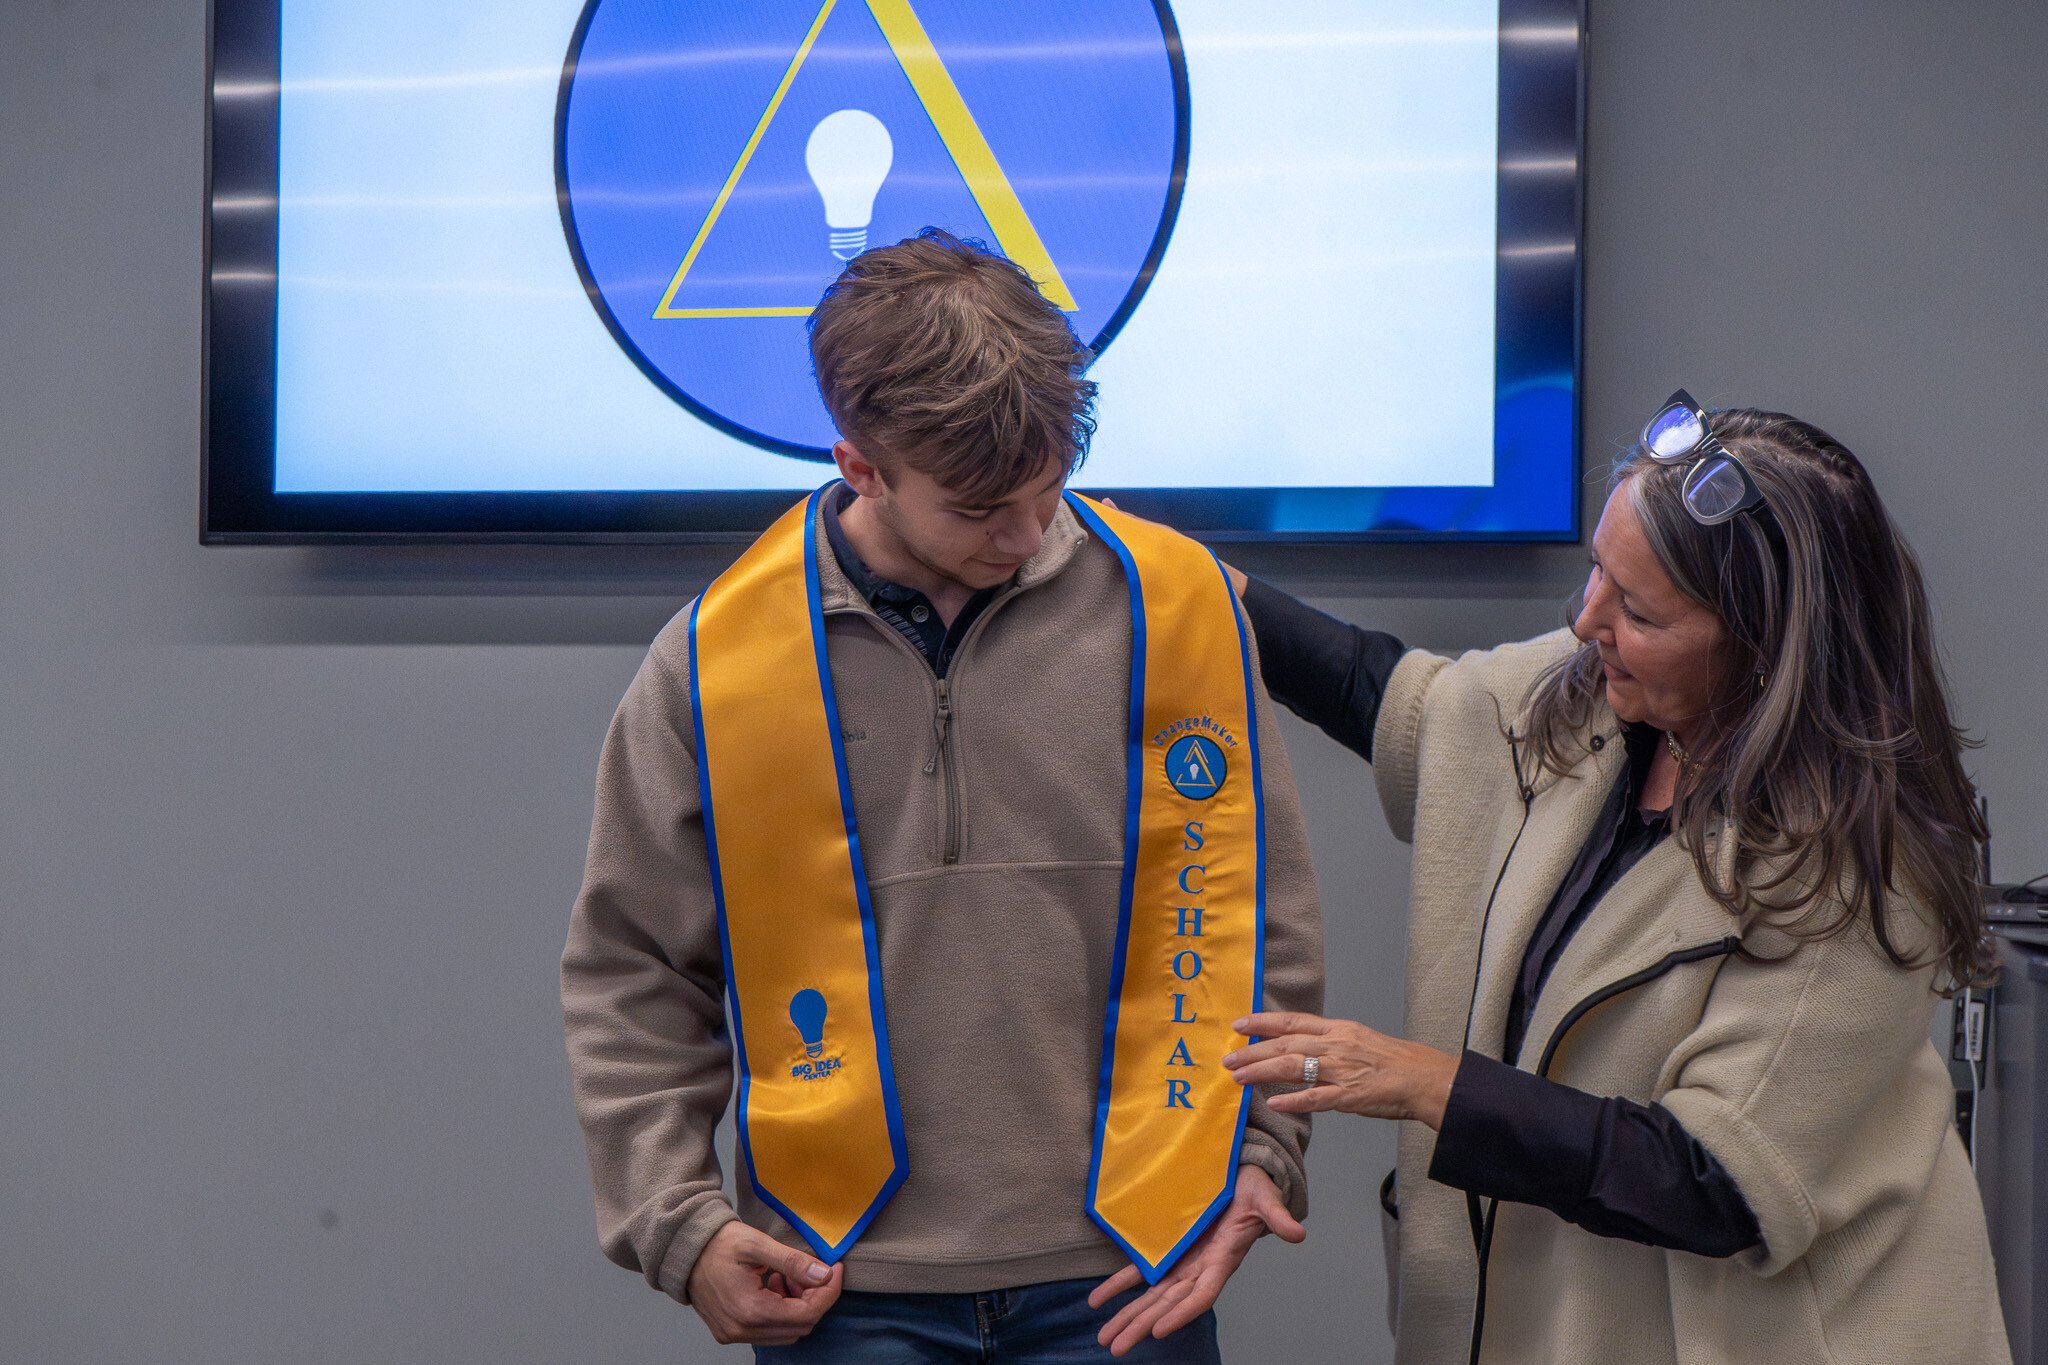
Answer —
955 505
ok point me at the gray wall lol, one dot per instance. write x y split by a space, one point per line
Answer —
287 837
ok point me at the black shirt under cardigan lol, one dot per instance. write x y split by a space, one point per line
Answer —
1609 1165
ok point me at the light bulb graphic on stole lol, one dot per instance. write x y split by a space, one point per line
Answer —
807 1012
849 156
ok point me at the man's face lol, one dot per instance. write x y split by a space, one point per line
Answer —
978 545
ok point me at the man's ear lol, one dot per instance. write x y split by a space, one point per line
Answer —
860 473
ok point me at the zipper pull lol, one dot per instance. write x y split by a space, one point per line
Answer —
943 724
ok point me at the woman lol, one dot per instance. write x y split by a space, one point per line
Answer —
1686 882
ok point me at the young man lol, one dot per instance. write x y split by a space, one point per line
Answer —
968 796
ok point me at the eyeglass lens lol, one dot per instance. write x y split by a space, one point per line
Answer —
1715 490
1674 433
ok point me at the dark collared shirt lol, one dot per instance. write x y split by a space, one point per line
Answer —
1614 1167
907 611
1624 834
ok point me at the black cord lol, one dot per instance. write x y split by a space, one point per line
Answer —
2025 893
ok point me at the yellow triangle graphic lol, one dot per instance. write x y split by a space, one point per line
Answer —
1198 766
934 86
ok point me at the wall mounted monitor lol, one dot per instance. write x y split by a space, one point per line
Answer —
541 269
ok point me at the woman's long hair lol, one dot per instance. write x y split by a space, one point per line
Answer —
1830 746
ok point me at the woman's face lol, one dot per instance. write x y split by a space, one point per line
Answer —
1662 650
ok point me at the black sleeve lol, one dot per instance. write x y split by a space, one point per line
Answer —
1613 1167
1329 672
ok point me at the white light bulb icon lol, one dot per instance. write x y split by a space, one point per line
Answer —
849 156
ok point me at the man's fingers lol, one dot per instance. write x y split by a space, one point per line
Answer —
1200 1300
800 1268
1130 1313
1279 1221
1286 1226
828 1292
1141 1309
765 1311
768 1312
1126 1315
820 1300
1140 1328
1125 1280
767 1338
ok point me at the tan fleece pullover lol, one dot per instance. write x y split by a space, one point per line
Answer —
993 839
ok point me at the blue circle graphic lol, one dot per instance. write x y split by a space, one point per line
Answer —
717 162
1195 767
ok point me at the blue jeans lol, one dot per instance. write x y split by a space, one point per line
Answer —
1039 1324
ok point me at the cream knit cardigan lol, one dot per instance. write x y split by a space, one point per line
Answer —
1811 1078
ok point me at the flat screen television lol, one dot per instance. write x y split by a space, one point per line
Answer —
541 269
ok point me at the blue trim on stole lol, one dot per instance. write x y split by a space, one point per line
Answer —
1251 710
827 1252
1134 780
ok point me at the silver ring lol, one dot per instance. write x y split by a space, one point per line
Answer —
1311 1069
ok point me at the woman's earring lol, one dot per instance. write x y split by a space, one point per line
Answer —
1761 679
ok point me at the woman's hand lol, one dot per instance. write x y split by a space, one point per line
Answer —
1361 1070
1230 571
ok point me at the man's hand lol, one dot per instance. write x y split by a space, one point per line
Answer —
750 1288
1190 1289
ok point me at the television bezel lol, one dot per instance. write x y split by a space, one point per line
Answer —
1539 291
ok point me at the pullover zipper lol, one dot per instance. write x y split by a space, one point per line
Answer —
956 794
944 752
942 725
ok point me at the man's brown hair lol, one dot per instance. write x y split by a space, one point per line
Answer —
943 355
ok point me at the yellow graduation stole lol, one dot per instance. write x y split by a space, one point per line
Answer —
818 1121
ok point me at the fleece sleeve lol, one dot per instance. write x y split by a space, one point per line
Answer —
1276 1143
643 990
